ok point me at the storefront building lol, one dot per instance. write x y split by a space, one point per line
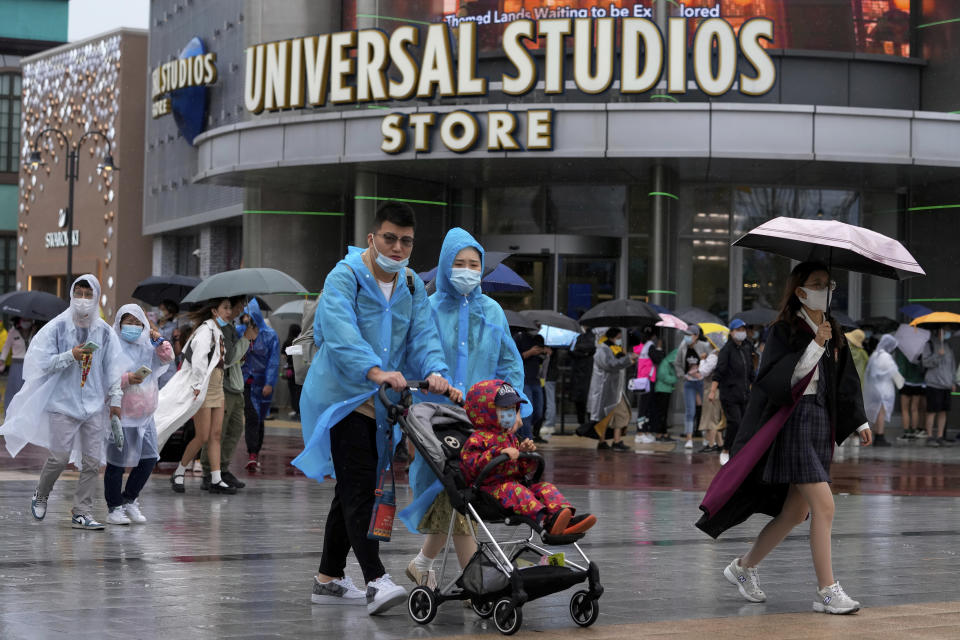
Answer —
26 28
95 85
615 148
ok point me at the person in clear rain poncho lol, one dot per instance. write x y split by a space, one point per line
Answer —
477 346
71 370
881 381
144 347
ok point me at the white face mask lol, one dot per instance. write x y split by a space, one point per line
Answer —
739 336
389 264
83 310
464 280
816 300
618 341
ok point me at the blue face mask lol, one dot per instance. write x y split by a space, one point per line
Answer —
222 322
687 339
389 265
130 332
464 280
947 335
507 418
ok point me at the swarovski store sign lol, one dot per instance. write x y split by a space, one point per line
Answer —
368 65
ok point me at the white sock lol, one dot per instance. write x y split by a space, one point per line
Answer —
422 562
214 477
180 470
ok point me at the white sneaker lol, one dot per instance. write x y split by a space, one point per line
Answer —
338 591
688 444
746 579
724 458
38 505
833 599
644 438
117 516
134 513
382 594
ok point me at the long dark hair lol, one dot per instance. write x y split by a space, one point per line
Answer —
790 304
202 314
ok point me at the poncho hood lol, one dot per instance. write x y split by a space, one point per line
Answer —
454 242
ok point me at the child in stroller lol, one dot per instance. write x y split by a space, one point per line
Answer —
492 406
503 574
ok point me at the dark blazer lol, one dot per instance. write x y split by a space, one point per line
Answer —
771 392
734 371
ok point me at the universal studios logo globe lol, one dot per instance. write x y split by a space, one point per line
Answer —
179 87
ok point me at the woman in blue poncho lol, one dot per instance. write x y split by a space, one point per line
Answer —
477 346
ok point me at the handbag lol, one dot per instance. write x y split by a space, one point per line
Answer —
384 509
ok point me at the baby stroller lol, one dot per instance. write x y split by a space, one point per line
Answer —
503 575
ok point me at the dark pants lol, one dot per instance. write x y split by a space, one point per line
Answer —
581 411
533 422
734 413
661 405
353 446
253 431
645 409
113 479
294 394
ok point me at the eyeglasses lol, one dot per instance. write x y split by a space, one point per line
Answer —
392 238
819 286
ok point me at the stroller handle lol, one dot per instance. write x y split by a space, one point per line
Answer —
421 385
500 459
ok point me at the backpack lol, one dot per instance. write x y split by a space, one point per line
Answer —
308 346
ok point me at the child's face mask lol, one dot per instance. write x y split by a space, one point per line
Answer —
507 418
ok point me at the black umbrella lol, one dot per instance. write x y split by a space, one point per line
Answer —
35 305
882 324
518 321
620 313
551 319
156 289
696 315
758 316
843 319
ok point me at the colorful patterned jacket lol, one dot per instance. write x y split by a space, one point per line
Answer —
489 440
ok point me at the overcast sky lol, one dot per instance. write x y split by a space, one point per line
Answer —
91 17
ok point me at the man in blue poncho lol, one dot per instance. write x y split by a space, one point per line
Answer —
372 327
477 346
260 371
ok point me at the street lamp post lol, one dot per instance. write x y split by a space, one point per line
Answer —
72 174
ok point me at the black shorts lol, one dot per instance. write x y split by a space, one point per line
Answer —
938 400
909 390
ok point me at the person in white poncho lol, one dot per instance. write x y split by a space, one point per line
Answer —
147 350
880 384
71 369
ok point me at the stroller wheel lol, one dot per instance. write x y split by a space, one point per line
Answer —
507 623
583 609
483 609
421 605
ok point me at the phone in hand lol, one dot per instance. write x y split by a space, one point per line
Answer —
143 371
90 345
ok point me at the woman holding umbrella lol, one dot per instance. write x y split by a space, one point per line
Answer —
806 395
477 346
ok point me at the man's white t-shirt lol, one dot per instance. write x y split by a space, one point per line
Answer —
387 288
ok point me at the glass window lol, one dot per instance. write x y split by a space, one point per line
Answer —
588 210
9 122
703 252
513 210
584 283
8 257
538 273
638 257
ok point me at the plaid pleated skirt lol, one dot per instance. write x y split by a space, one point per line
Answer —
804 447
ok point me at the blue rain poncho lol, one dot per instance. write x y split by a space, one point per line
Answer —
262 364
477 346
54 381
356 329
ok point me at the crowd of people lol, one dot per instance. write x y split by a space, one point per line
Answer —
776 398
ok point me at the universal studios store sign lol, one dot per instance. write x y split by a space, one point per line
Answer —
352 67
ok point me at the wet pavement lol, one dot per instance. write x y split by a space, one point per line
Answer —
241 566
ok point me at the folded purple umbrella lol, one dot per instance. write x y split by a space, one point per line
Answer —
834 243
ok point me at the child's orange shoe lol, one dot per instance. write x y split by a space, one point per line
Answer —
557 523
581 524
